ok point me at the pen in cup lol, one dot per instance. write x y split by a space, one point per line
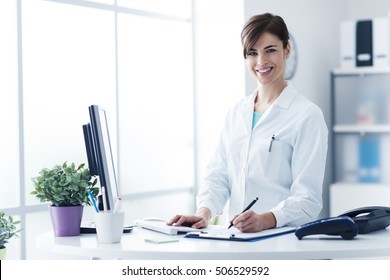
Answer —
118 203
246 209
92 198
104 197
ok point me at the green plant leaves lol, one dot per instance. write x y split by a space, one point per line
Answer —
7 228
64 185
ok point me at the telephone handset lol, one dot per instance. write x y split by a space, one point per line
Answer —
369 219
343 226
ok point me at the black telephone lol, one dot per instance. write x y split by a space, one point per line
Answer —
357 221
369 219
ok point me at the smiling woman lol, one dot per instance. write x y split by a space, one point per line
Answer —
266 47
266 61
263 146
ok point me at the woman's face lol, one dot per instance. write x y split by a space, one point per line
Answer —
266 60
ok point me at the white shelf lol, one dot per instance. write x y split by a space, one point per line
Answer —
362 128
361 71
346 196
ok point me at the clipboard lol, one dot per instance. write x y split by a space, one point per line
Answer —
236 235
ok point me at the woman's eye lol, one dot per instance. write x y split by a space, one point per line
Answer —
271 50
252 53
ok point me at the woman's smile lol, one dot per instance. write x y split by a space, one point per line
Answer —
265 71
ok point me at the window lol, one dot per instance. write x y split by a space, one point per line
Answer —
9 98
155 104
75 54
136 59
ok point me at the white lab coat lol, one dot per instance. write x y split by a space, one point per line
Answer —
288 179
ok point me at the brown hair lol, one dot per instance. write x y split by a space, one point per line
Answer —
259 24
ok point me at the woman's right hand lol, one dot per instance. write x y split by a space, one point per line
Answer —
199 220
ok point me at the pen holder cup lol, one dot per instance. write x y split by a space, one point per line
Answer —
109 226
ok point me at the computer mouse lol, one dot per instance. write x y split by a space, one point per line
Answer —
343 226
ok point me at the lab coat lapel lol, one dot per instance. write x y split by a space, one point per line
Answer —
283 101
247 111
286 97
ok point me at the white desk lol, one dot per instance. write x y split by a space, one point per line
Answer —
133 246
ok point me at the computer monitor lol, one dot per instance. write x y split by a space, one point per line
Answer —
90 147
99 153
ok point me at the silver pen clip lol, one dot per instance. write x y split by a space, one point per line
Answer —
270 143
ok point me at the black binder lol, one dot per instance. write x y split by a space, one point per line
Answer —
364 55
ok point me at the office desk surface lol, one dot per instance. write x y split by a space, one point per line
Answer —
133 246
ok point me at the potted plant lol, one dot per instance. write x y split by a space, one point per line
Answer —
66 187
7 231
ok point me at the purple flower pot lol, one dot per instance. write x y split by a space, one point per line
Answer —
66 220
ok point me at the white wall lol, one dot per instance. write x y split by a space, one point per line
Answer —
365 9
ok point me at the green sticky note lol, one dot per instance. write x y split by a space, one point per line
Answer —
161 240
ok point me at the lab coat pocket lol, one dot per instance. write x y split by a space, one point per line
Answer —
267 159
274 160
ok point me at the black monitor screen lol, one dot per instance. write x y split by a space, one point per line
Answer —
103 152
90 148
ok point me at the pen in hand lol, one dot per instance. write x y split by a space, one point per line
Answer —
105 208
247 208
